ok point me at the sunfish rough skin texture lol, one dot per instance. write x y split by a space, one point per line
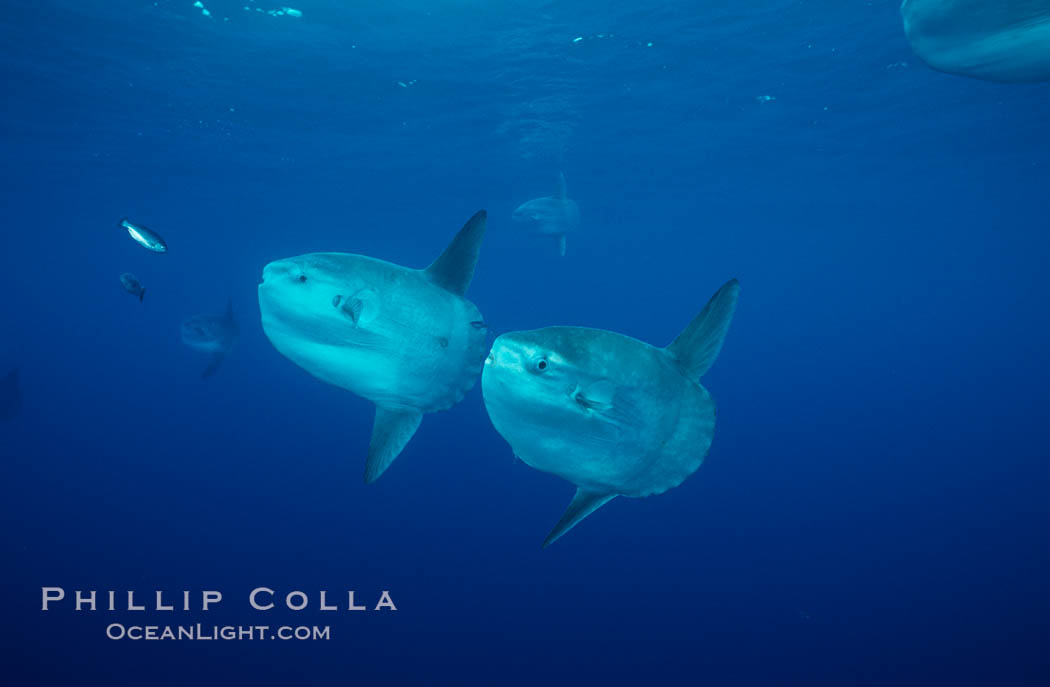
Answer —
554 216
405 339
611 414
995 40
211 334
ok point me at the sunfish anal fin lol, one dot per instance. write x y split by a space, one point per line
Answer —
390 433
583 504
216 361
454 268
698 345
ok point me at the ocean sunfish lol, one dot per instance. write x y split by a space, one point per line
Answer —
10 395
406 339
131 284
611 414
211 334
995 40
145 237
554 216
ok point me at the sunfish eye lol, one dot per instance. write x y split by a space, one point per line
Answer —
302 278
541 365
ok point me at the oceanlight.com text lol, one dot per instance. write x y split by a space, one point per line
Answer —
200 632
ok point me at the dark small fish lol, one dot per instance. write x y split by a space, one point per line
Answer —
145 237
130 283
10 395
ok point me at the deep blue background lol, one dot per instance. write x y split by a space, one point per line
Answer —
873 510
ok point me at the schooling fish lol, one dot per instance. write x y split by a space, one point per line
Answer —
145 237
130 283
611 414
406 339
211 334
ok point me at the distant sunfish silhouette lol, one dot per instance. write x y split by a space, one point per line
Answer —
995 40
211 334
145 237
554 216
131 284
406 339
10 395
611 414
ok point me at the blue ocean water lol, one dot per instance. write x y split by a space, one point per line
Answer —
873 508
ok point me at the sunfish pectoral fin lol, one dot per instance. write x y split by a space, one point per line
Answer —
583 504
698 345
216 361
618 405
454 268
597 395
353 307
390 433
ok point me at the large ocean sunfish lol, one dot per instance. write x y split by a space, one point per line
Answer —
215 335
405 339
611 414
554 216
996 40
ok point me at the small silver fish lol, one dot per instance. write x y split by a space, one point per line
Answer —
131 284
145 237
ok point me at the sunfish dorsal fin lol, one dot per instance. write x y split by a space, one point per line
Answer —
698 345
561 244
583 504
454 268
390 433
561 192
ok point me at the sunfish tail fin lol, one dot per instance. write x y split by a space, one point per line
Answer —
583 504
216 361
454 268
698 345
390 433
